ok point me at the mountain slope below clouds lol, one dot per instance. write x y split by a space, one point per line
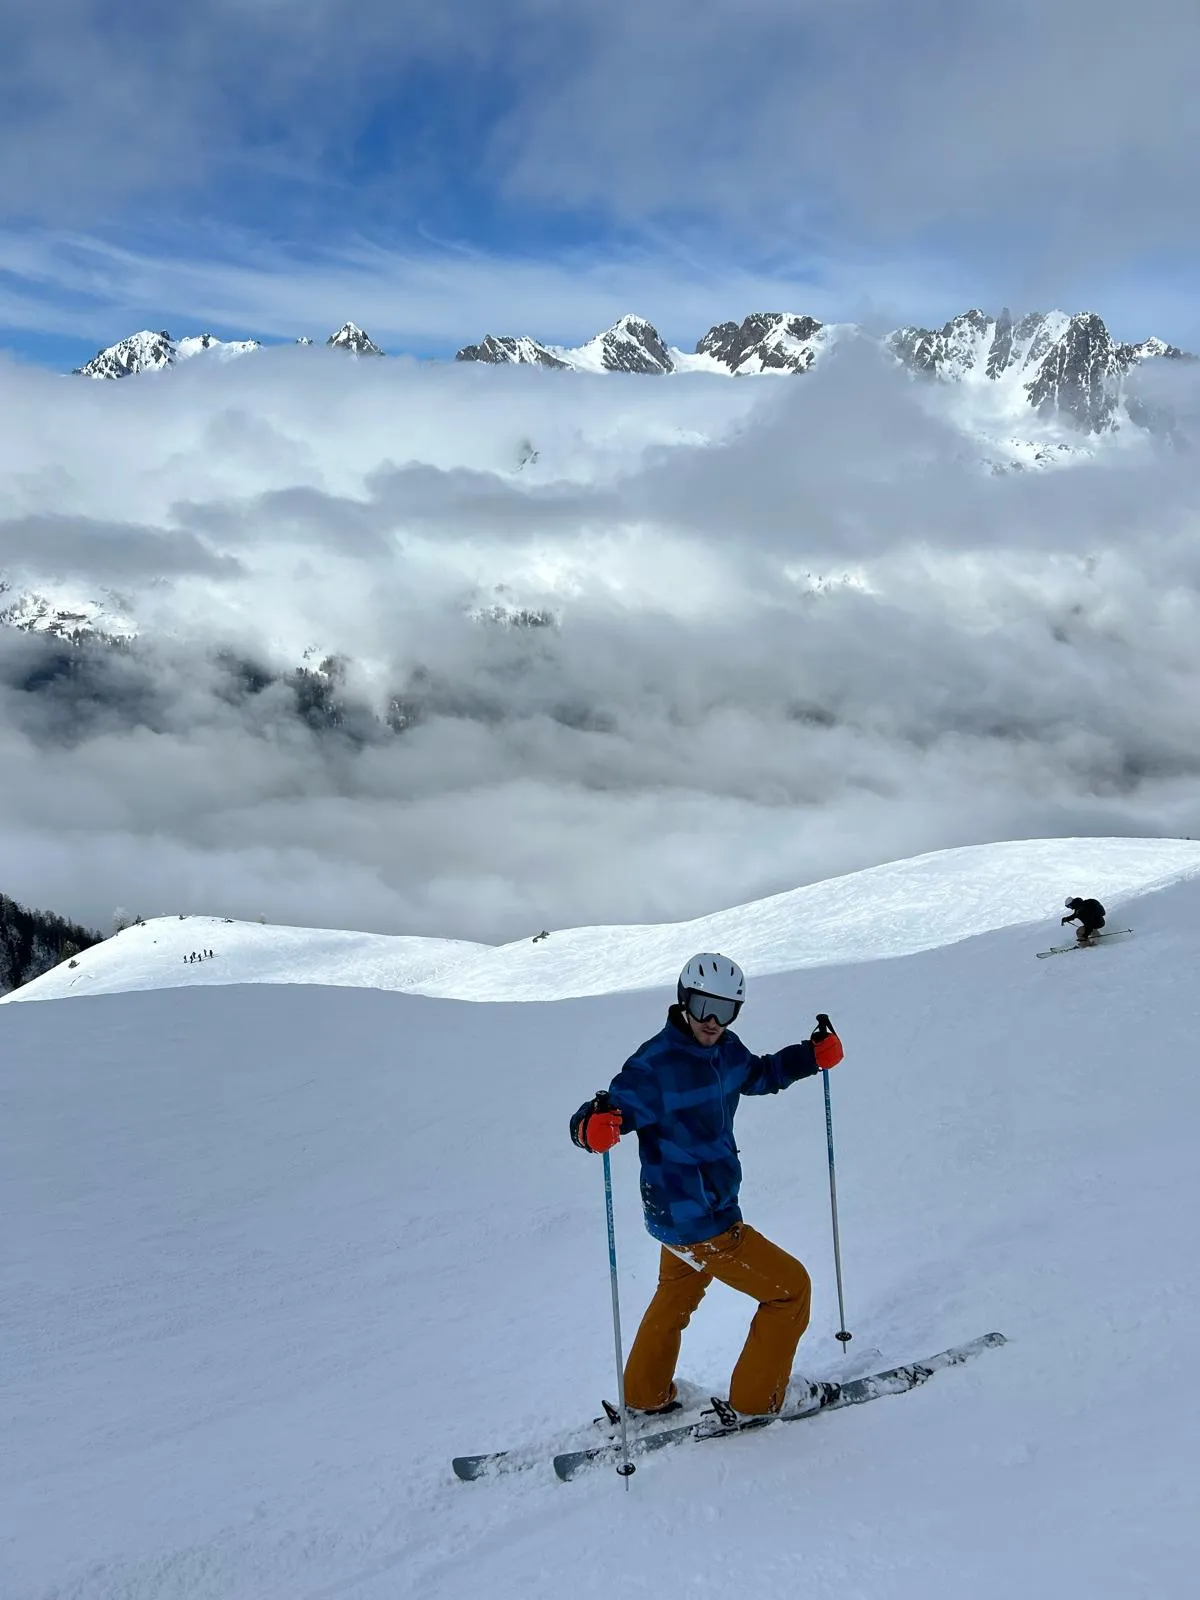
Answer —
271 1257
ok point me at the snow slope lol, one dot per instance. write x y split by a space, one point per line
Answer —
272 1255
890 910
154 955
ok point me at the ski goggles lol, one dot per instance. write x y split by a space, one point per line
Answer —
703 1007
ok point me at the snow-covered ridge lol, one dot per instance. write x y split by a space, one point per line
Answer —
1062 367
765 341
897 909
66 616
151 352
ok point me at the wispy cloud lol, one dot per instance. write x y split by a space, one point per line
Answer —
258 167
433 297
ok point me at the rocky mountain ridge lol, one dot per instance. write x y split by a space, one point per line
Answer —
1068 367
1062 367
152 352
766 341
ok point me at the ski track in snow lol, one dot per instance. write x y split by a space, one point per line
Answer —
274 1254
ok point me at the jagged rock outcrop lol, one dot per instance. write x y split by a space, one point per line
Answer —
1080 376
1151 348
350 337
630 345
504 350
976 344
766 341
1066 367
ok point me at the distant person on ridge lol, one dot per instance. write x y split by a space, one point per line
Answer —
678 1092
1090 916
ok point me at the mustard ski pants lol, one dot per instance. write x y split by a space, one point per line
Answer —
744 1260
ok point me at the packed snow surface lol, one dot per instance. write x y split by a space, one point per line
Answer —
272 1255
892 910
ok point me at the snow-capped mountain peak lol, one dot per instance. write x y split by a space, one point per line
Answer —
141 352
765 341
631 345
1155 347
1064 368
507 350
352 338
66 614
1080 375
151 352
1067 367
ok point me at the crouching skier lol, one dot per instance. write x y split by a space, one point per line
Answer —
1089 914
678 1092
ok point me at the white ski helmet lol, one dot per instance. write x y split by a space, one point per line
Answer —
712 977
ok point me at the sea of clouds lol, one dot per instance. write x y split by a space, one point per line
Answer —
781 629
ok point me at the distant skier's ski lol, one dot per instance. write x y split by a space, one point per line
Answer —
1064 949
824 1396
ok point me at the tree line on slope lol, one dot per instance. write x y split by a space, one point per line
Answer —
31 942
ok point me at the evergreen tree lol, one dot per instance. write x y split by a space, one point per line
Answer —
31 942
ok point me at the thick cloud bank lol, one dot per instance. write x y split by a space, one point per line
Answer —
477 651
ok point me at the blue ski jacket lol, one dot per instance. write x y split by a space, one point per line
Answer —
680 1097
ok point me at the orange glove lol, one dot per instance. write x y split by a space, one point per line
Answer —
827 1047
594 1130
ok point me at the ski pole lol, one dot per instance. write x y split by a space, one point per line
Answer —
625 1467
824 1028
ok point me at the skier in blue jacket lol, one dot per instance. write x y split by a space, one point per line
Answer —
678 1092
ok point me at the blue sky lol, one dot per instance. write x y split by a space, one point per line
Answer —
266 169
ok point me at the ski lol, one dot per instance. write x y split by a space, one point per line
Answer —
821 1397
489 1462
469 1468
1065 949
